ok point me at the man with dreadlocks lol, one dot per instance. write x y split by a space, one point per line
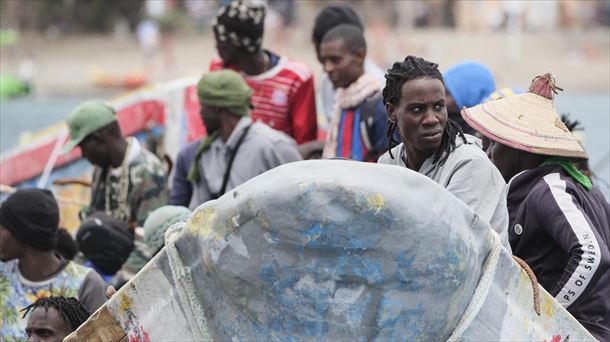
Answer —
435 146
53 318
283 93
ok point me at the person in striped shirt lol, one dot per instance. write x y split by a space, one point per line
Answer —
359 125
283 90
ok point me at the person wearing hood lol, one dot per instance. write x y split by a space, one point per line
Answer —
559 223
435 146
466 85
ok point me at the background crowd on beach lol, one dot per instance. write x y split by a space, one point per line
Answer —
260 110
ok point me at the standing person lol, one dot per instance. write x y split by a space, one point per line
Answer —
559 223
128 180
236 149
30 268
51 319
328 18
359 125
467 84
284 96
435 146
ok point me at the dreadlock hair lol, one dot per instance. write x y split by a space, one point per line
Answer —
414 68
71 310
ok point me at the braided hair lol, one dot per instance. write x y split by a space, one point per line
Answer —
71 310
414 68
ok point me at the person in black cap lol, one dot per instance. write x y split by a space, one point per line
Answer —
30 268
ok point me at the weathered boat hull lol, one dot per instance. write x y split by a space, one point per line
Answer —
332 250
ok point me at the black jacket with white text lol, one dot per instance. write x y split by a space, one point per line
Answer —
562 231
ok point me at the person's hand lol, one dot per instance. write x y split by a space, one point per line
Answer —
110 291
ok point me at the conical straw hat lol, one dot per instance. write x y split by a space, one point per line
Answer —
527 122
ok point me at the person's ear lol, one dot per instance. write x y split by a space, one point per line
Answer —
391 111
361 55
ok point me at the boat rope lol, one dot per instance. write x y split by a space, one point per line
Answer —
482 289
187 293
533 280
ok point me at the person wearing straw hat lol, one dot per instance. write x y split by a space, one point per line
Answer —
235 149
435 146
30 268
558 222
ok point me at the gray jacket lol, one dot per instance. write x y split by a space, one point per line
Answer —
262 149
470 176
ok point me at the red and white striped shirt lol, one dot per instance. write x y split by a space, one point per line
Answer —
283 98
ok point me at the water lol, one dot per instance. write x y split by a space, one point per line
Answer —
30 114
591 109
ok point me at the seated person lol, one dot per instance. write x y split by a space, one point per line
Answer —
559 222
30 267
435 146
53 318
236 148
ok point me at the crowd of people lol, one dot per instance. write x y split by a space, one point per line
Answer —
506 154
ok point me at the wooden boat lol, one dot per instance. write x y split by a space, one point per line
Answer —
168 109
329 250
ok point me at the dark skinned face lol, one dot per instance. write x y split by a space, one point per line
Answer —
504 158
46 326
211 118
94 149
342 65
228 52
421 116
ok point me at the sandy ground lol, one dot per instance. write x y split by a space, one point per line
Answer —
579 60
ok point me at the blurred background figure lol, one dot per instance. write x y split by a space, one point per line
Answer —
30 268
466 84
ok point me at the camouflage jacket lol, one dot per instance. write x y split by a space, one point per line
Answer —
146 187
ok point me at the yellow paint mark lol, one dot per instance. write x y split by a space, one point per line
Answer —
201 221
547 306
376 202
125 302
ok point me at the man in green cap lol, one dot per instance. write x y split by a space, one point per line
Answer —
128 181
235 149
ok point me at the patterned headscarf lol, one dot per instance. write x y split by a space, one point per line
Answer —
241 24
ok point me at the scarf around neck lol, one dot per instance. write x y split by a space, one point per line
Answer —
350 97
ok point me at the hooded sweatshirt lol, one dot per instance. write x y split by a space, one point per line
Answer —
562 231
470 176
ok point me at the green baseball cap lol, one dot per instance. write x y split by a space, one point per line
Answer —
225 89
87 118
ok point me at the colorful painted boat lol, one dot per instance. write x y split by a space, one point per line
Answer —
329 250
170 108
